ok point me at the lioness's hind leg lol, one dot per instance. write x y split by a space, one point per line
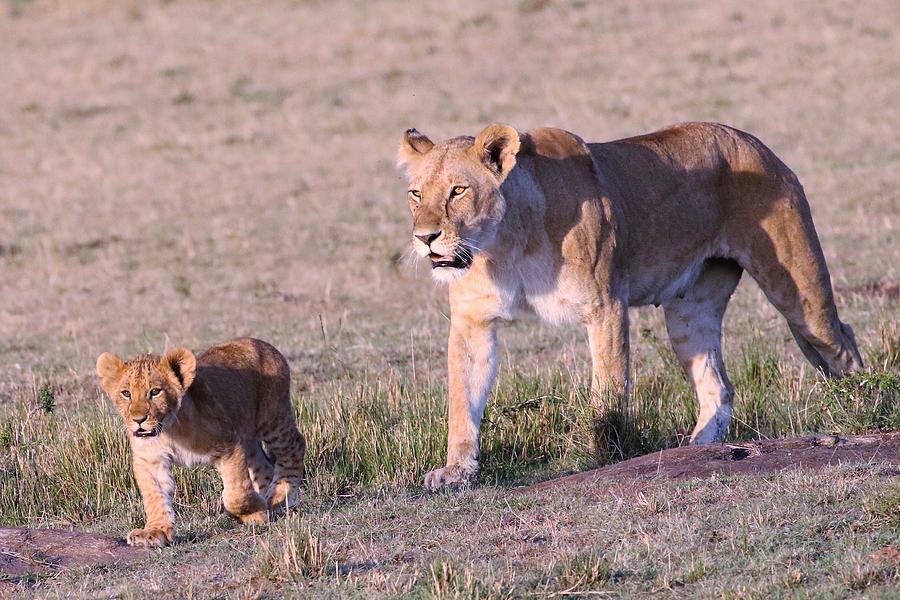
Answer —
782 253
694 322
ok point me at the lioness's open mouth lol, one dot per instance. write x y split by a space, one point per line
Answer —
453 262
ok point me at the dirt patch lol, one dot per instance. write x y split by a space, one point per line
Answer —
26 551
746 458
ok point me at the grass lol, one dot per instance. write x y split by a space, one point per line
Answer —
369 446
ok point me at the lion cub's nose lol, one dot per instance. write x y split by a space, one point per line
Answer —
427 238
139 420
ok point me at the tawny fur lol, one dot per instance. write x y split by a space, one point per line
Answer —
543 222
218 408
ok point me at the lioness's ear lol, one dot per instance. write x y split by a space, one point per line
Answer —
496 146
108 366
413 147
182 363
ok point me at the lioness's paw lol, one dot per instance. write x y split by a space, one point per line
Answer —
149 538
447 476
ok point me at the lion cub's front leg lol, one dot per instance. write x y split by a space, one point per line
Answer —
154 479
472 365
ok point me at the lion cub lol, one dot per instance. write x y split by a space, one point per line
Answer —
217 408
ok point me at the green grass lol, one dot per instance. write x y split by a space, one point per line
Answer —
71 465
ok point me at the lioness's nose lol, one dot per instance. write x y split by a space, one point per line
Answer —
427 238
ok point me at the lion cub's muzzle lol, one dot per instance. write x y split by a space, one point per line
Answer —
142 428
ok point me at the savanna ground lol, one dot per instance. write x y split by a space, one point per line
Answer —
179 173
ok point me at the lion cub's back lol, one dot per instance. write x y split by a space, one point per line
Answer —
243 367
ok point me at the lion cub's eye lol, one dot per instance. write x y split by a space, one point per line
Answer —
126 394
416 196
458 190
155 392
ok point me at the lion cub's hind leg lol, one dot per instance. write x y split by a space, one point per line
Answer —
239 495
287 447
261 469
694 322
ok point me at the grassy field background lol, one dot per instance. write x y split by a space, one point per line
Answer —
179 173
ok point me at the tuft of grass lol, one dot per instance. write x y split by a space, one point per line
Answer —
57 468
46 400
581 574
73 467
292 551
883 509
449 580
887 356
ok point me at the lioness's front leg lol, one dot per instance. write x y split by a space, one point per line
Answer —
154 479
472 362
610 354
608 338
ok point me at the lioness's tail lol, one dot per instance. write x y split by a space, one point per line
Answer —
771 234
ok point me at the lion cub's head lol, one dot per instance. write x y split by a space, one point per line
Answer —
147 390
454 194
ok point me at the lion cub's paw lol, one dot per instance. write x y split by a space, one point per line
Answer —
149 538
284 496
259 517
451 475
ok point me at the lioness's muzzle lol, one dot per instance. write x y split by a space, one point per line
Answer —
456 262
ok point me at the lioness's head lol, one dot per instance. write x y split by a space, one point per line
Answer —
454 194
147 390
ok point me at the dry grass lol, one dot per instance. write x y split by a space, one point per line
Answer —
186 172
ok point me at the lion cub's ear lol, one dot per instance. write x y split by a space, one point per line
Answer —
413 147
108 366
496 146
183 365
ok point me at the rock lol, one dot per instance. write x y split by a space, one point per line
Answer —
764 456
26 551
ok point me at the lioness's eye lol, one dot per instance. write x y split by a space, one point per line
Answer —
416 195
155 392
126 394
458 190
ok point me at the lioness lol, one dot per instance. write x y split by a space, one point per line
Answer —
217 408
545 223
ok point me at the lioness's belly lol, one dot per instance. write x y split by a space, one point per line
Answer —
664 282
569 297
